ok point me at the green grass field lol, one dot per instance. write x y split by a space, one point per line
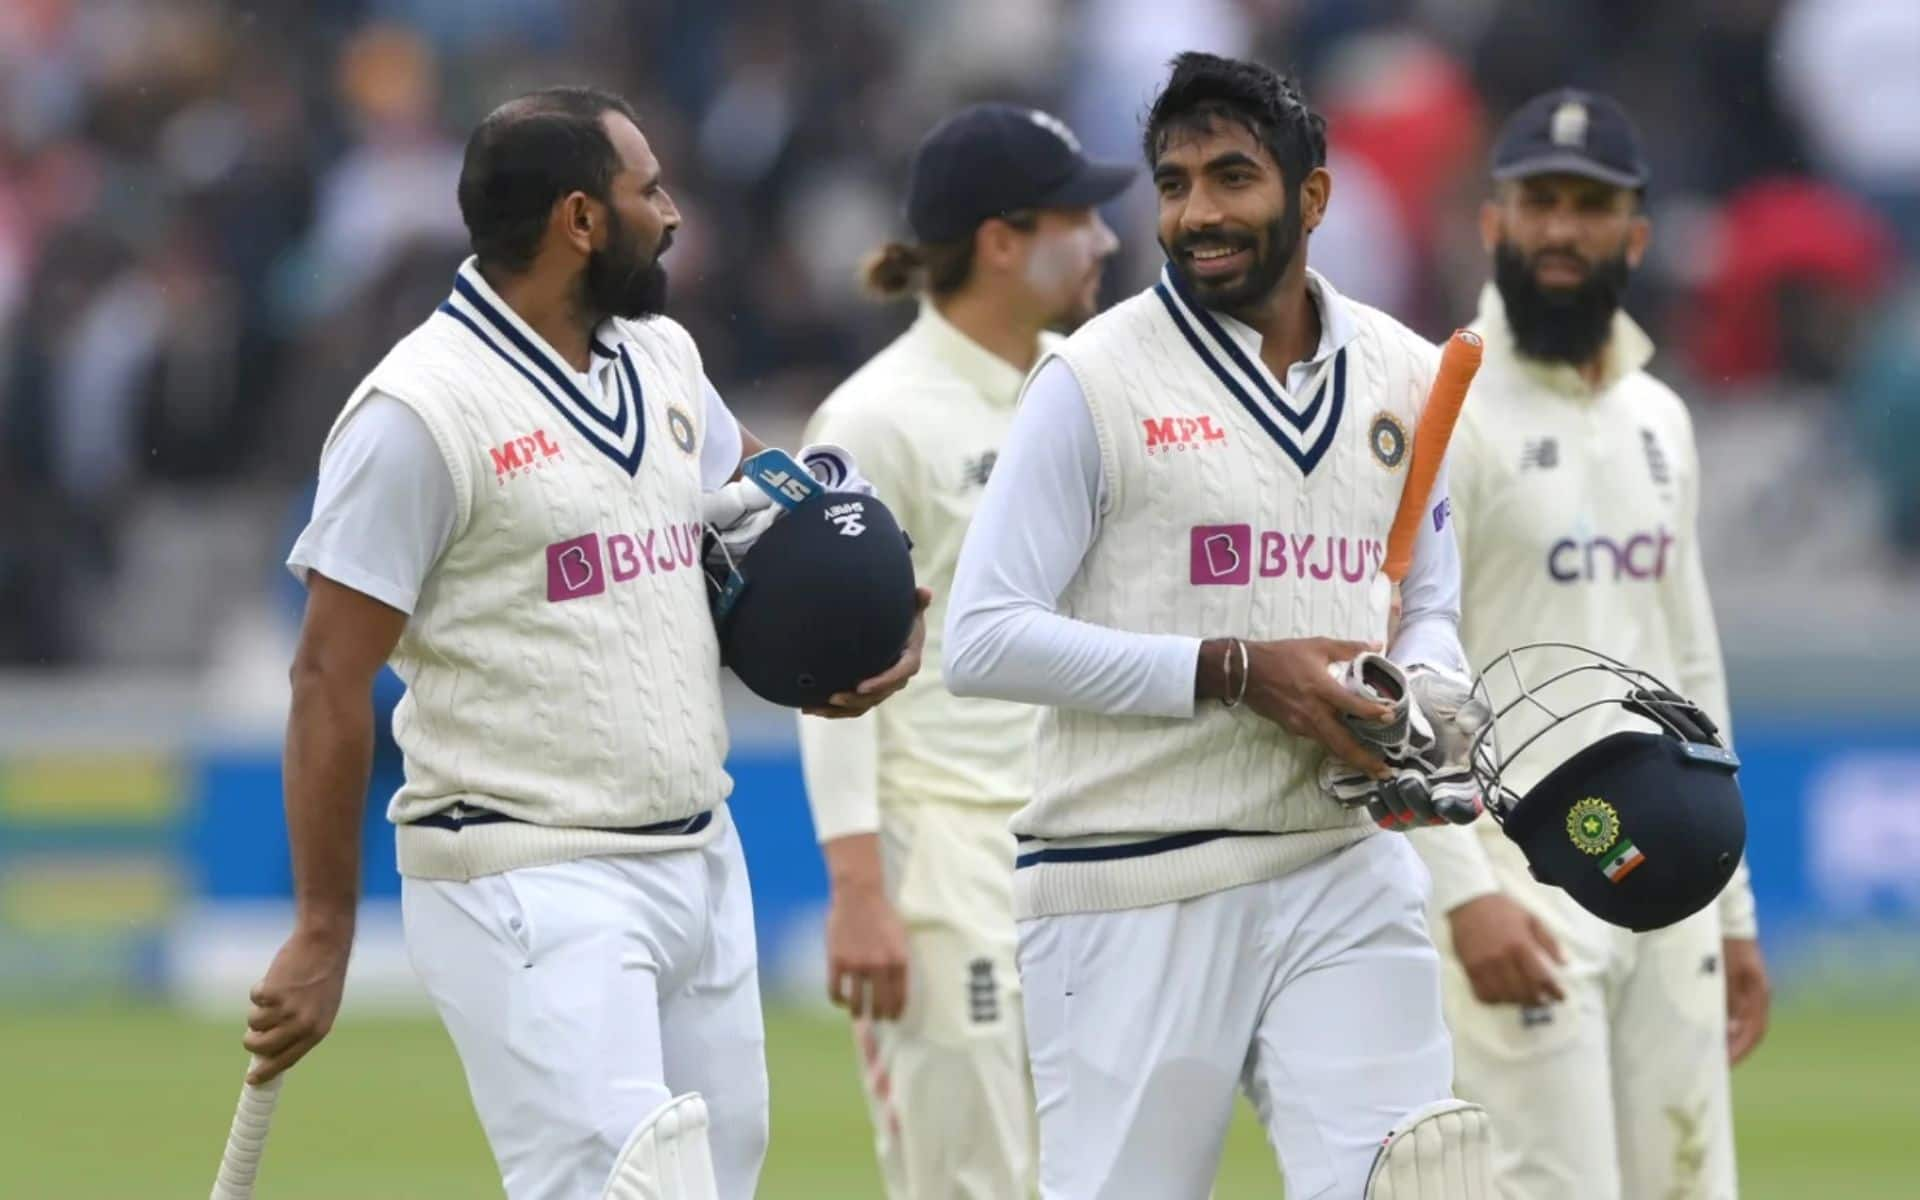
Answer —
131 1105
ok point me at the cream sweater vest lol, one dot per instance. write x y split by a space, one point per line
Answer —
561 663
1232 509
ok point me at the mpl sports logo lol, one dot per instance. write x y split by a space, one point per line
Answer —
1167 435
517 455
577 568
1231 556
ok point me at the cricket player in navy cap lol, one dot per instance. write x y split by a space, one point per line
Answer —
911 803
1601 1054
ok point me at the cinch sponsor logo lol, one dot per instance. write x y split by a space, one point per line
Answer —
522 454
576 568
1230 555
1167 434
1642 556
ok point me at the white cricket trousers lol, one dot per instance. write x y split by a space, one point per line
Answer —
1621 1091
947 1084
1317 992
581 996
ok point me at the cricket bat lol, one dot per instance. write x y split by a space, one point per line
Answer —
247 1140
1459 361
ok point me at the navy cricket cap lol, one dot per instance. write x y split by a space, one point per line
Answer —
826 600
988 160
1571 132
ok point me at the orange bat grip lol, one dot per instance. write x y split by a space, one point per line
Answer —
1459 359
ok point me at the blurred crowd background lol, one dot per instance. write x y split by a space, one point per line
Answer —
215 215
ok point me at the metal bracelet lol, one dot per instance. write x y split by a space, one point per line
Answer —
1226 669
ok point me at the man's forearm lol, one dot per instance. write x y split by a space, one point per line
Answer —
329 757
854 863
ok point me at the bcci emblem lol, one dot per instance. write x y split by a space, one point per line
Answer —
1593 825
681 426
1388 437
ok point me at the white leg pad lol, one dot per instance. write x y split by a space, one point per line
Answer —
1443 1151
667 1158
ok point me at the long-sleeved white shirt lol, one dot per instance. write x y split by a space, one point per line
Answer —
1034 528
1576 509
926 420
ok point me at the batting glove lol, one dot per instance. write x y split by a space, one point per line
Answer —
1455 711
739 512
1405 733
1412 798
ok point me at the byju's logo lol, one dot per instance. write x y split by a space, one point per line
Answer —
519 454
1641 556
576 568
1230 556
1222 555
1167 434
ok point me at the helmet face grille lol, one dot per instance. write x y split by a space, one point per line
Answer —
1534 691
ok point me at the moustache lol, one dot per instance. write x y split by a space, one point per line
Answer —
1573 257
1214 241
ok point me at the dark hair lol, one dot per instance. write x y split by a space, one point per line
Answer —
1205 88
902 268
524 157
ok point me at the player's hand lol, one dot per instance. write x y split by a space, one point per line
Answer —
1506 951
873 691
1748 996
295 1004
1288 684
866 940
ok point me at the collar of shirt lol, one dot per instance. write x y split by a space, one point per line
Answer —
1337 327
597 381
996 379
1628 350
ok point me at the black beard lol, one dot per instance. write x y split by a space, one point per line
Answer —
620 281
1282 243
1569 325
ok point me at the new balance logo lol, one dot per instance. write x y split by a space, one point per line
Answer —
519 454
1168 434
983 995
978 470
1540 454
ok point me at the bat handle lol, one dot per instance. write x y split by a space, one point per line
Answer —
247 1139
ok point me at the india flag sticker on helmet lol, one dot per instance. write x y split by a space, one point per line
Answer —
1621 861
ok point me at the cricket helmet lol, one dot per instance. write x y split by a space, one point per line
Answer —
1642 827
822 600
